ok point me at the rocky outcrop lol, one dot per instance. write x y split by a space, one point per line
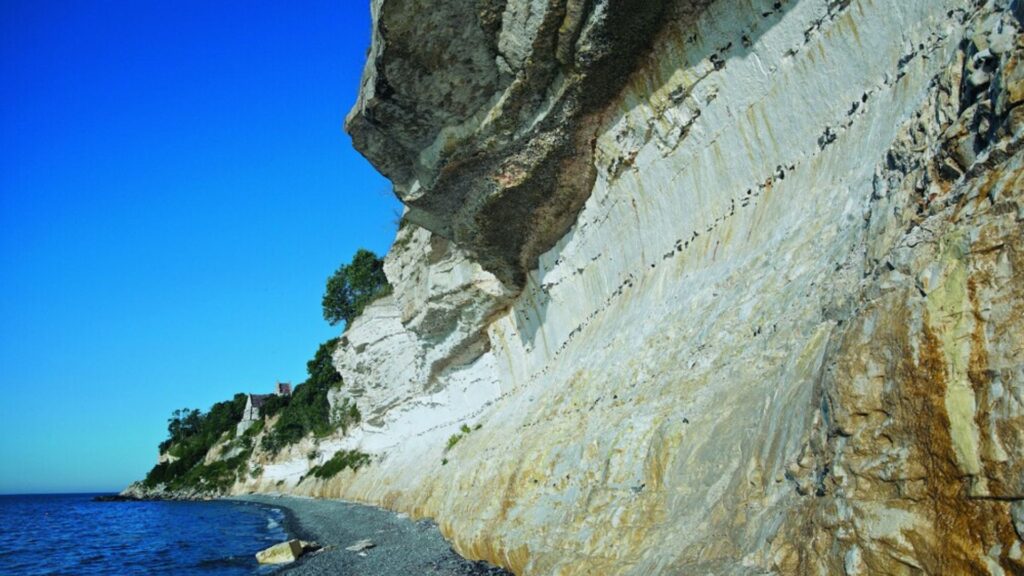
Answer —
139 491
281 553
727 287
482 114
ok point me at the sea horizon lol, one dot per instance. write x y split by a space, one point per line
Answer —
81 535
512 287
74 493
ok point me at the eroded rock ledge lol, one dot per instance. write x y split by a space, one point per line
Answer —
478 113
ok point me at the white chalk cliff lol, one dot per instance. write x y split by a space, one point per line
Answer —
730 286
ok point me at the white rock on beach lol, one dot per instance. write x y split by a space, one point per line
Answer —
361 545
309 546
281 553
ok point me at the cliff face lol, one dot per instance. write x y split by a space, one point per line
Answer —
482 113
730 286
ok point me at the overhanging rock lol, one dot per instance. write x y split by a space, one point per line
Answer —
481 112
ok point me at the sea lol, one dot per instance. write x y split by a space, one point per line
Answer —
71 534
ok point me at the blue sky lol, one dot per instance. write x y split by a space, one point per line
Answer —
175 187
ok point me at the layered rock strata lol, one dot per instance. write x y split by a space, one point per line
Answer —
730 287
482 113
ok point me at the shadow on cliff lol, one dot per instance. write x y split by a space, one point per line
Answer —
697 34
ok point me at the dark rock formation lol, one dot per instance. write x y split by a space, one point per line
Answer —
478 113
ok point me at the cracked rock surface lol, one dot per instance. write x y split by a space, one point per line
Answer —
730 287
482 113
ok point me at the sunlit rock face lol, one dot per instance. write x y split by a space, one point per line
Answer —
763 315
482 113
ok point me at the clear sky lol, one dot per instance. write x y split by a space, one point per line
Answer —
175 187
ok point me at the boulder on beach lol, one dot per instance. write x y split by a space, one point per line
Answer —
309 546
281 553
361 545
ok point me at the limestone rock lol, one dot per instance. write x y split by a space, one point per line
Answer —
282 553
309 546
478 113
753 307
361 545
445 297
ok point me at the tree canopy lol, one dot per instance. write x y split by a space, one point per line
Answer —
186 424
190 435
353 286
307 409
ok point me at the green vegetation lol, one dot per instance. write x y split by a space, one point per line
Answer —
464 431
254 430
352 459
217 476
346 415
191 434
307 410
193 427
353 286
453 440
271 406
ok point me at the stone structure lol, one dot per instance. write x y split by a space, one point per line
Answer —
253 402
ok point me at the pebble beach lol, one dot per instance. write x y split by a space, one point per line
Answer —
401 546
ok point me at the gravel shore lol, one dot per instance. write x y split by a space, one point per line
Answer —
402 546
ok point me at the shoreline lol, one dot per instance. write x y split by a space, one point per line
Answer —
401 546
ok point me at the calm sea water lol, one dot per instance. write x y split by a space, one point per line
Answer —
71 534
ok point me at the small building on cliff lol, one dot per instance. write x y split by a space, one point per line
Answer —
253 402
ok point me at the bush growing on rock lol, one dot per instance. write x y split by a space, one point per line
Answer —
308 411
351 459
464 431
353 286
346 415
191 434
273 405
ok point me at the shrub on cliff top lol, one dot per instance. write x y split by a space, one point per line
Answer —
353 286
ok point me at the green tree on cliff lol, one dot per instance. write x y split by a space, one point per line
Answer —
353 286
308 410
321 368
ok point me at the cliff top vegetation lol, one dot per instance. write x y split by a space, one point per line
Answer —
353 286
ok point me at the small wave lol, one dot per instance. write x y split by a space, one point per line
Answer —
274 522
94 559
